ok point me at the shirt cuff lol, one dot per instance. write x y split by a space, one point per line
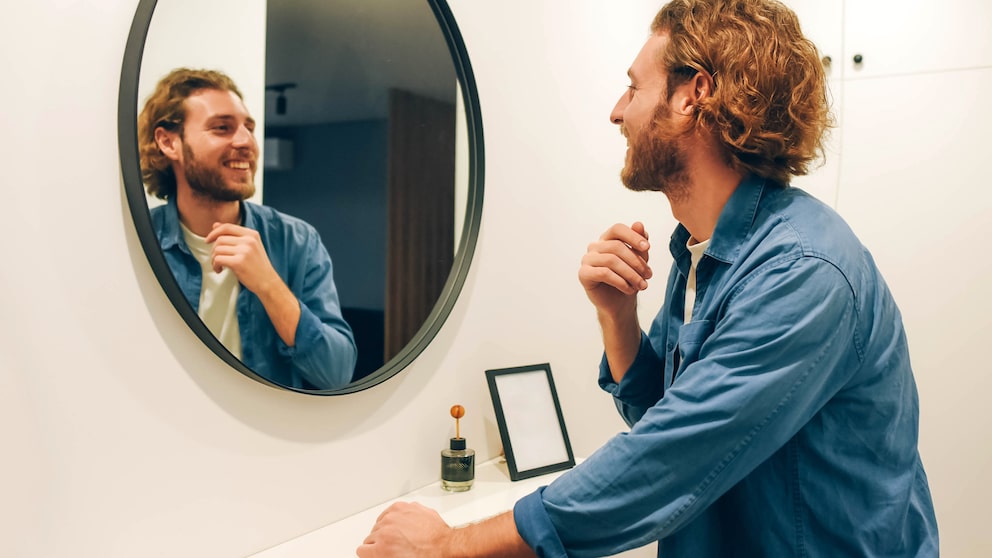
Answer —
535 527
643 383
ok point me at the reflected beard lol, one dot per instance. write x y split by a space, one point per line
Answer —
657 158
209 182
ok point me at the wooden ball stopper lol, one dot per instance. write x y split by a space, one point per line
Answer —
457 411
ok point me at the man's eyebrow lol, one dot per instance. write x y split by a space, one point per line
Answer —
228 117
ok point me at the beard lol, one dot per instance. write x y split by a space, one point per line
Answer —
208 181
657 160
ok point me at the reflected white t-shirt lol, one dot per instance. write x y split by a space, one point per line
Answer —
696 250
218 295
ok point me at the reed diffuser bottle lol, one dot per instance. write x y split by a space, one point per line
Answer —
457 462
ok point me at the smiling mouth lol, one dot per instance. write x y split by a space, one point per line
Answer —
238 165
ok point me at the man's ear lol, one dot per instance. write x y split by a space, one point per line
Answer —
693 91
169 143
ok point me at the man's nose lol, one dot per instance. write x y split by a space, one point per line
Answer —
616 115
244 136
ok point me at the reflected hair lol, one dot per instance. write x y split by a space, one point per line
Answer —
769 108
166 108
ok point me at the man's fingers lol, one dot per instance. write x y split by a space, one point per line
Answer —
611 270
616 254
633 236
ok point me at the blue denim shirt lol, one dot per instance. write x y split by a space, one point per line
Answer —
324 353
782 420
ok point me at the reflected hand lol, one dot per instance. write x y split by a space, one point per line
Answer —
615 268
240 249
407 530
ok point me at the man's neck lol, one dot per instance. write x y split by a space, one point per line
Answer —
199 213
711 183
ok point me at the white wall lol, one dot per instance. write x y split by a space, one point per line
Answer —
123 436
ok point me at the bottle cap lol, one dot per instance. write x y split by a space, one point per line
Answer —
458 443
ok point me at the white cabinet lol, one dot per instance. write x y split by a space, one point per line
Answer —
910 176
897 37
890 38
914 186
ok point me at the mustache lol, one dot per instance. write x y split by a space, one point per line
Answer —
242 153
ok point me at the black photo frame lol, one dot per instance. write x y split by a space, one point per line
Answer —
531 426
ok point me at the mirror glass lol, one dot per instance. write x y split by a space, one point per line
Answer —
369 131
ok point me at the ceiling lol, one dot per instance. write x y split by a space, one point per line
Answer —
344 55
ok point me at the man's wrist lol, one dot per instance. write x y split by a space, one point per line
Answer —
490 538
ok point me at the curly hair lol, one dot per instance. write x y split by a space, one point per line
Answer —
769 108
166 108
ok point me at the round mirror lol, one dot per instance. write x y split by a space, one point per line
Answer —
369 132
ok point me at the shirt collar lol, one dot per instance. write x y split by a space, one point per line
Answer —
249 218
733 226
172 234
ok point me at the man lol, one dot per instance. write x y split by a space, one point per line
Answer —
261 280
772 405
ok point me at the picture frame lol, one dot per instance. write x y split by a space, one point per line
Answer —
531 425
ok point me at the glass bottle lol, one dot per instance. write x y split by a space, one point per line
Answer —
457 466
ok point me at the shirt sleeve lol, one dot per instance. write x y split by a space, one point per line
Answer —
324 353
641 386
782 348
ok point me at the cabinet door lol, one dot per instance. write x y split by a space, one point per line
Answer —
895 37
914 186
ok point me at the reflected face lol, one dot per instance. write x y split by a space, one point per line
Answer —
219 149
656 158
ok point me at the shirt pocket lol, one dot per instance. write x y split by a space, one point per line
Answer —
691 338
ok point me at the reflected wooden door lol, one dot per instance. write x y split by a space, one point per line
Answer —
420 198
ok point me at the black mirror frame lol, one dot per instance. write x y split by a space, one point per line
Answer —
127 137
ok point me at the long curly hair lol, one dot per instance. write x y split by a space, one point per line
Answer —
769 108
166 108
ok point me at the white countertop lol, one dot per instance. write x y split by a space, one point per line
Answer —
493 493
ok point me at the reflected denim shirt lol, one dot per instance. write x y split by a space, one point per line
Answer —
782 420
324 354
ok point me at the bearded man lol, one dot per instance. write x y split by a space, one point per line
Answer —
772 404
260 280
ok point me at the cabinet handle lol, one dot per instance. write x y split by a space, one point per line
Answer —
858 59
826 60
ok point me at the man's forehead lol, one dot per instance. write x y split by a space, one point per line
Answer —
210 103
647 64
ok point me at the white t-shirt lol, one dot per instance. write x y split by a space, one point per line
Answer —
696 250
218 295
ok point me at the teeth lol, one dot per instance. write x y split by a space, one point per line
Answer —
243 165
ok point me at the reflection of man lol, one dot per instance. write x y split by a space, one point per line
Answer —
772 405
261 281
